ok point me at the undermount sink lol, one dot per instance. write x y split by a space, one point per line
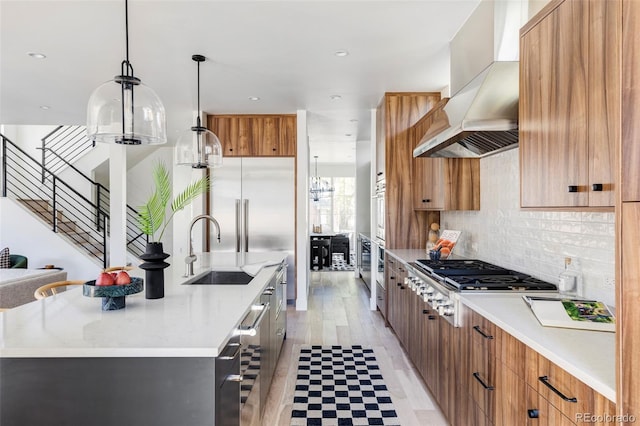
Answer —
222 278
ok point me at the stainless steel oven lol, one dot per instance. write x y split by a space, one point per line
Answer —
380 266
380 209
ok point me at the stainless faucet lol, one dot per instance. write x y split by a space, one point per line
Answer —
192 257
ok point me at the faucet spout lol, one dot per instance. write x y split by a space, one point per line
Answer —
191 258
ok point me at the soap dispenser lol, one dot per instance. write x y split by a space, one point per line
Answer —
568 283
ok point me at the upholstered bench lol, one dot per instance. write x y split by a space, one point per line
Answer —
17 285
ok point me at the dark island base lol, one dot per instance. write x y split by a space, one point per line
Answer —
107 391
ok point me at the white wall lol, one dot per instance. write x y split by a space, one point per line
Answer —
534 242
363 186
26 235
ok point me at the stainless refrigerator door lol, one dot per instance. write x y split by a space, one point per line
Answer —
268 188
226 195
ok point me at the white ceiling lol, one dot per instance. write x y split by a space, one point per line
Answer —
280 51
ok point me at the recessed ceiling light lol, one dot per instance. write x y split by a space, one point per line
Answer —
348 134
45 107
37 55
353 120
335 97
341 53
254 98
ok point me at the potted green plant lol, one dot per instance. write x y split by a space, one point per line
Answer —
152 219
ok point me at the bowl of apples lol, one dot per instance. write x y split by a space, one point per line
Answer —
112 285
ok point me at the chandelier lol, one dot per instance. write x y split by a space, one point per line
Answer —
125 111
319 188
198 146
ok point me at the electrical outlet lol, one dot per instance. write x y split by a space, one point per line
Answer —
609 282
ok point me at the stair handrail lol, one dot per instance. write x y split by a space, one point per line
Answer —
60 189
4 167
98 186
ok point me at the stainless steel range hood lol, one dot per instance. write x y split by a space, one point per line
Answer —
481 118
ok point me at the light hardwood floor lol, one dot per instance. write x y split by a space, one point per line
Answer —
338 315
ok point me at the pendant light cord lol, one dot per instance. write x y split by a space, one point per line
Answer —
199 124
126 27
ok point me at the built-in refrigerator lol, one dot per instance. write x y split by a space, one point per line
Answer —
253 200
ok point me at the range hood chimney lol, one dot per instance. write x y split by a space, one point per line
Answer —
481 118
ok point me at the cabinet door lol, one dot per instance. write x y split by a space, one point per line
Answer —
482 361
553 109
604 99
510 399
381 137
430 364
265 136
461 183
428 185
228 131
288 136
630 101
628 314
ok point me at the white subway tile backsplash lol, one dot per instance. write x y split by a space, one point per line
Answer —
534 242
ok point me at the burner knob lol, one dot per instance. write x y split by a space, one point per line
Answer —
429 290
445 309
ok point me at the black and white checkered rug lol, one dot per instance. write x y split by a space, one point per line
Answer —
341 386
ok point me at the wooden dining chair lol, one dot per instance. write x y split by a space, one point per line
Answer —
118 268
51 288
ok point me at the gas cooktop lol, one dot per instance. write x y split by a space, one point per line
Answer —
479 275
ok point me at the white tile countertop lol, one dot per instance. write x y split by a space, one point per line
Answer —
587 355
190 321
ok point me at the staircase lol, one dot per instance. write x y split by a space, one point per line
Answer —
80 219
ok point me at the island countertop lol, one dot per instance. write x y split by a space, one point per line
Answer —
190 321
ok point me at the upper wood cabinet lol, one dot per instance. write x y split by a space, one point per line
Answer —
569 105
443 183
397 114
255 135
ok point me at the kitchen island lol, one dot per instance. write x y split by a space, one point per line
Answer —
65 361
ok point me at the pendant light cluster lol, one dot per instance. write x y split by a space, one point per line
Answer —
319 188
125 111
199 147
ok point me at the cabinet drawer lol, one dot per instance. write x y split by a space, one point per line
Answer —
569 395
541 413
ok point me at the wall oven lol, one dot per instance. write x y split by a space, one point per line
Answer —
380 190
380 266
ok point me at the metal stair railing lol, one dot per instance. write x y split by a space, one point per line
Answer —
68 142
136 240
57 202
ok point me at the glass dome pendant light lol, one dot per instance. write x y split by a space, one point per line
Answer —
125 111
199 147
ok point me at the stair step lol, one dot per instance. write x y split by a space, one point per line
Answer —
34 204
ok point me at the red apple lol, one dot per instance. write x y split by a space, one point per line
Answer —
114 275
105 278
123 278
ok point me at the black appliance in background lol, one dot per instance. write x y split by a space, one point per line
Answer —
364 260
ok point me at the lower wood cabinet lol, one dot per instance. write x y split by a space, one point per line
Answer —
478 373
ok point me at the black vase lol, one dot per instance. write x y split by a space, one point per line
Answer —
154 266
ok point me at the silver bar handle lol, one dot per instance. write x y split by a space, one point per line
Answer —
246 225
252 329
235 353
234 378
238 219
